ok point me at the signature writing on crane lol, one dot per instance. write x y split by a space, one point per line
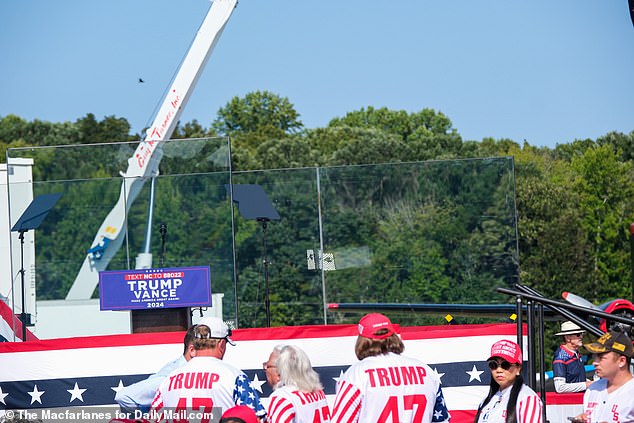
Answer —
157 133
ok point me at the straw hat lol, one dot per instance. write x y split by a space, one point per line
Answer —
569 328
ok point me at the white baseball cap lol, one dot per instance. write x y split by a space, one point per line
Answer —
217 329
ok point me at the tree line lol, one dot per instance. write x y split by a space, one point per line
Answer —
574 202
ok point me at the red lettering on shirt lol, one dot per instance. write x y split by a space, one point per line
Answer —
193 380
396 376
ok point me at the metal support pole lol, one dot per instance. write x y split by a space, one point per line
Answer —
267 298
565 313
542 359
163 232
147 245
518 322
22 271
588 327
530 319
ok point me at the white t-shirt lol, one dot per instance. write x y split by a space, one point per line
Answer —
289 405
139 396
528 408
389 388
616 407
202 384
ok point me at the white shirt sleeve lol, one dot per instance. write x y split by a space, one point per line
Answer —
562 387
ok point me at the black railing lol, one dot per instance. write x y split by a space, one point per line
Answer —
534 309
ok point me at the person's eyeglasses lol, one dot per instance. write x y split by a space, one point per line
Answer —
266 365
505 365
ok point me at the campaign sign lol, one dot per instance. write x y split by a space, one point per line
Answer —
154 288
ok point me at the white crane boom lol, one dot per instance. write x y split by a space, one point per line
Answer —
147 156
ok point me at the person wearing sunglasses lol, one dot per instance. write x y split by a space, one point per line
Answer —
270 367
509 400
299 395
569 373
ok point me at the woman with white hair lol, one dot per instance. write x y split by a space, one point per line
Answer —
299 396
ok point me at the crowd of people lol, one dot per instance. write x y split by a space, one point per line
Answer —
384 385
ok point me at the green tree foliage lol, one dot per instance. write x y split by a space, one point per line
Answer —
366 146
422 231
250 121
110 129
16 132
257 110
622 144
553 247
606 196
398 122
13 131
409 265
574 209
287 152
192 129
424 227
426 134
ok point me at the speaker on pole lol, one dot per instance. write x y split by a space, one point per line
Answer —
254 204
32 218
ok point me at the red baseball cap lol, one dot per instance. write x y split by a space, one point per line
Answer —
508 350
372 323
242 412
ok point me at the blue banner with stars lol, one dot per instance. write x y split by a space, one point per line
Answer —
88 371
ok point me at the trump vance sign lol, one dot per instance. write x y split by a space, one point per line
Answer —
154 288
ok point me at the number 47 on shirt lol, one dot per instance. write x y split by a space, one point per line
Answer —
416 402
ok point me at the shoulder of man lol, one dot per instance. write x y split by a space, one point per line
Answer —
561 354
598 385
171 366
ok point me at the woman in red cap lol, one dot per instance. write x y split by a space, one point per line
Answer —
509 400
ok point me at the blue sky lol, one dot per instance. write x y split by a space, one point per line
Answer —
545 71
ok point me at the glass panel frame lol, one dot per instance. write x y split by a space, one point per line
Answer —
418 232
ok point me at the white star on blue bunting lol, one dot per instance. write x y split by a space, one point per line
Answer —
118 387
474 374
36 395
76 393
2 395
